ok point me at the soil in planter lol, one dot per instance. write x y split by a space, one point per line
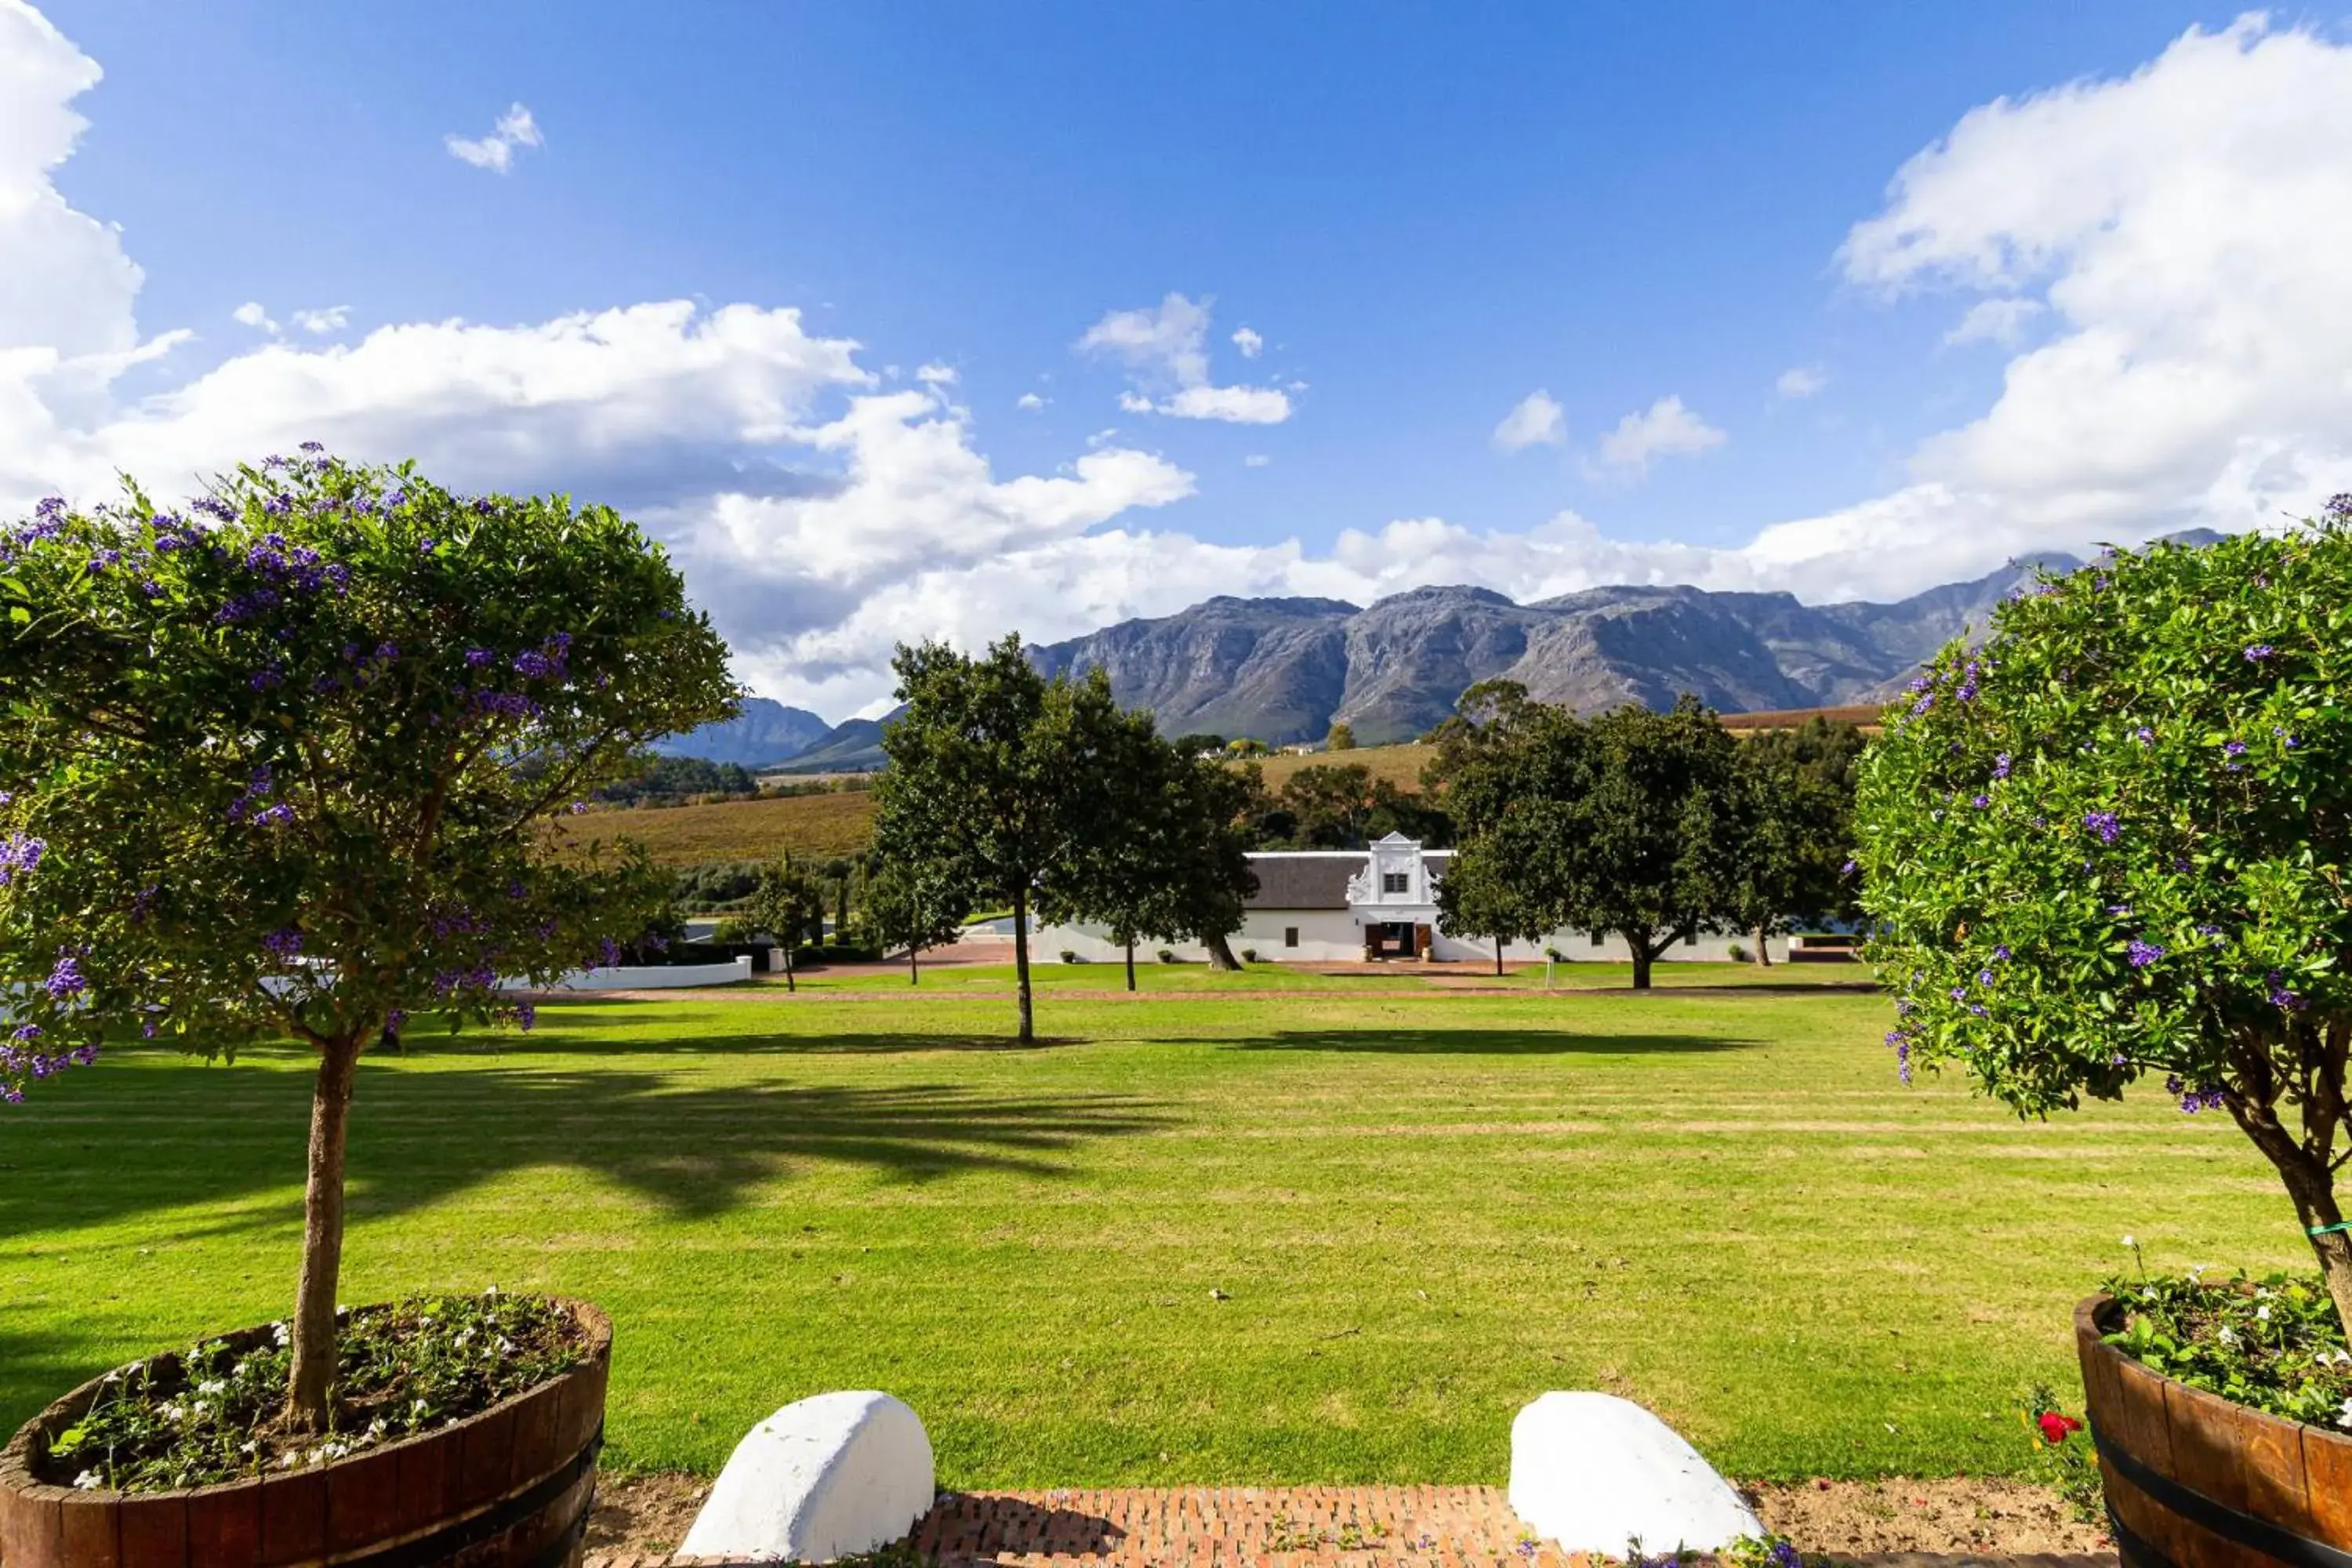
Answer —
2274 1343
216 1411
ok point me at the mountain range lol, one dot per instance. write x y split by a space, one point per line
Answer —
1284 671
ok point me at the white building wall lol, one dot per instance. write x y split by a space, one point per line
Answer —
1326 936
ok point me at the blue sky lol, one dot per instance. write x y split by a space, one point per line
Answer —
1427 214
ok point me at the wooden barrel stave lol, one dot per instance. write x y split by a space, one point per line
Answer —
510 1487
2261 1491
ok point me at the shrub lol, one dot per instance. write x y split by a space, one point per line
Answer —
1068 956
262 776
2108 848
1167 955
1737 953
1249 956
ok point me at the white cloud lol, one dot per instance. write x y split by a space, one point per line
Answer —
936 376
1536 421
2182 230
1166 353
1664 430
496 152
252 314
1257 460
1029 400
2180 227
1999 320
329 318
1801 380
1249 342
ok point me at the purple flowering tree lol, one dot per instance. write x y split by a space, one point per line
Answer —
2109 847
279 763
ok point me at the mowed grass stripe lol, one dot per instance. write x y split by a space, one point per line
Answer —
1419 1214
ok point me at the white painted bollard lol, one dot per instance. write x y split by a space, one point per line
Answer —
1592 1472
820 1479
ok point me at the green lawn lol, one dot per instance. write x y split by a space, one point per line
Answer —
1421 1209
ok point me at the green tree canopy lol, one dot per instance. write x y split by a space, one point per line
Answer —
1801 785
914 906
1171 861
2110 846
787 902
279 763
1631 822
997 777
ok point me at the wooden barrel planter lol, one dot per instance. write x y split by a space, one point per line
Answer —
2197 1482
509 1488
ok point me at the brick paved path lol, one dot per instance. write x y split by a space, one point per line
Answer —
1260 1527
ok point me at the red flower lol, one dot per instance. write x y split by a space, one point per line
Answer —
2055 1427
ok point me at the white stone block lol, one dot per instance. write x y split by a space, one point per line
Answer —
819 1480
1592 1472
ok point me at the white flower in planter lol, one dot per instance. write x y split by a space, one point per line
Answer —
90 1481
2345 1418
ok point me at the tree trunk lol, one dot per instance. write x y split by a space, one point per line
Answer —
1130 964
2312 1185
914 976
1221 953
1763 954
1638 940
313 1383
1499 958
788 985
1021 962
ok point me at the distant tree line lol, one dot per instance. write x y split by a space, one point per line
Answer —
1651 827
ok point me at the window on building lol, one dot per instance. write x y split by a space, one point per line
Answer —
1290 936
1691 940
1396 881
1596 939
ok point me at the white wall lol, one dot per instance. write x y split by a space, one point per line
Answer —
1332 935
646 978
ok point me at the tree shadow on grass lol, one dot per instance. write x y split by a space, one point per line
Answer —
562 1037
1490 1043
697 1150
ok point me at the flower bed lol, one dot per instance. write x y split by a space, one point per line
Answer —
2273 1343
216 1411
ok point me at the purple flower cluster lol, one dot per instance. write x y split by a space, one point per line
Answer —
546 661
211 506
18 1063
66 979
1900 1038
256 788
282 944
504 704
445 920
2001 765
19 855
474 977
2103 824
2143 954
479 658
244 606
2257 652
2193 1099
2280 996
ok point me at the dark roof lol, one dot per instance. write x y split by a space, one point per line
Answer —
1302 882
1317 881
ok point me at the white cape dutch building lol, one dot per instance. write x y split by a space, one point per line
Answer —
1351 905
